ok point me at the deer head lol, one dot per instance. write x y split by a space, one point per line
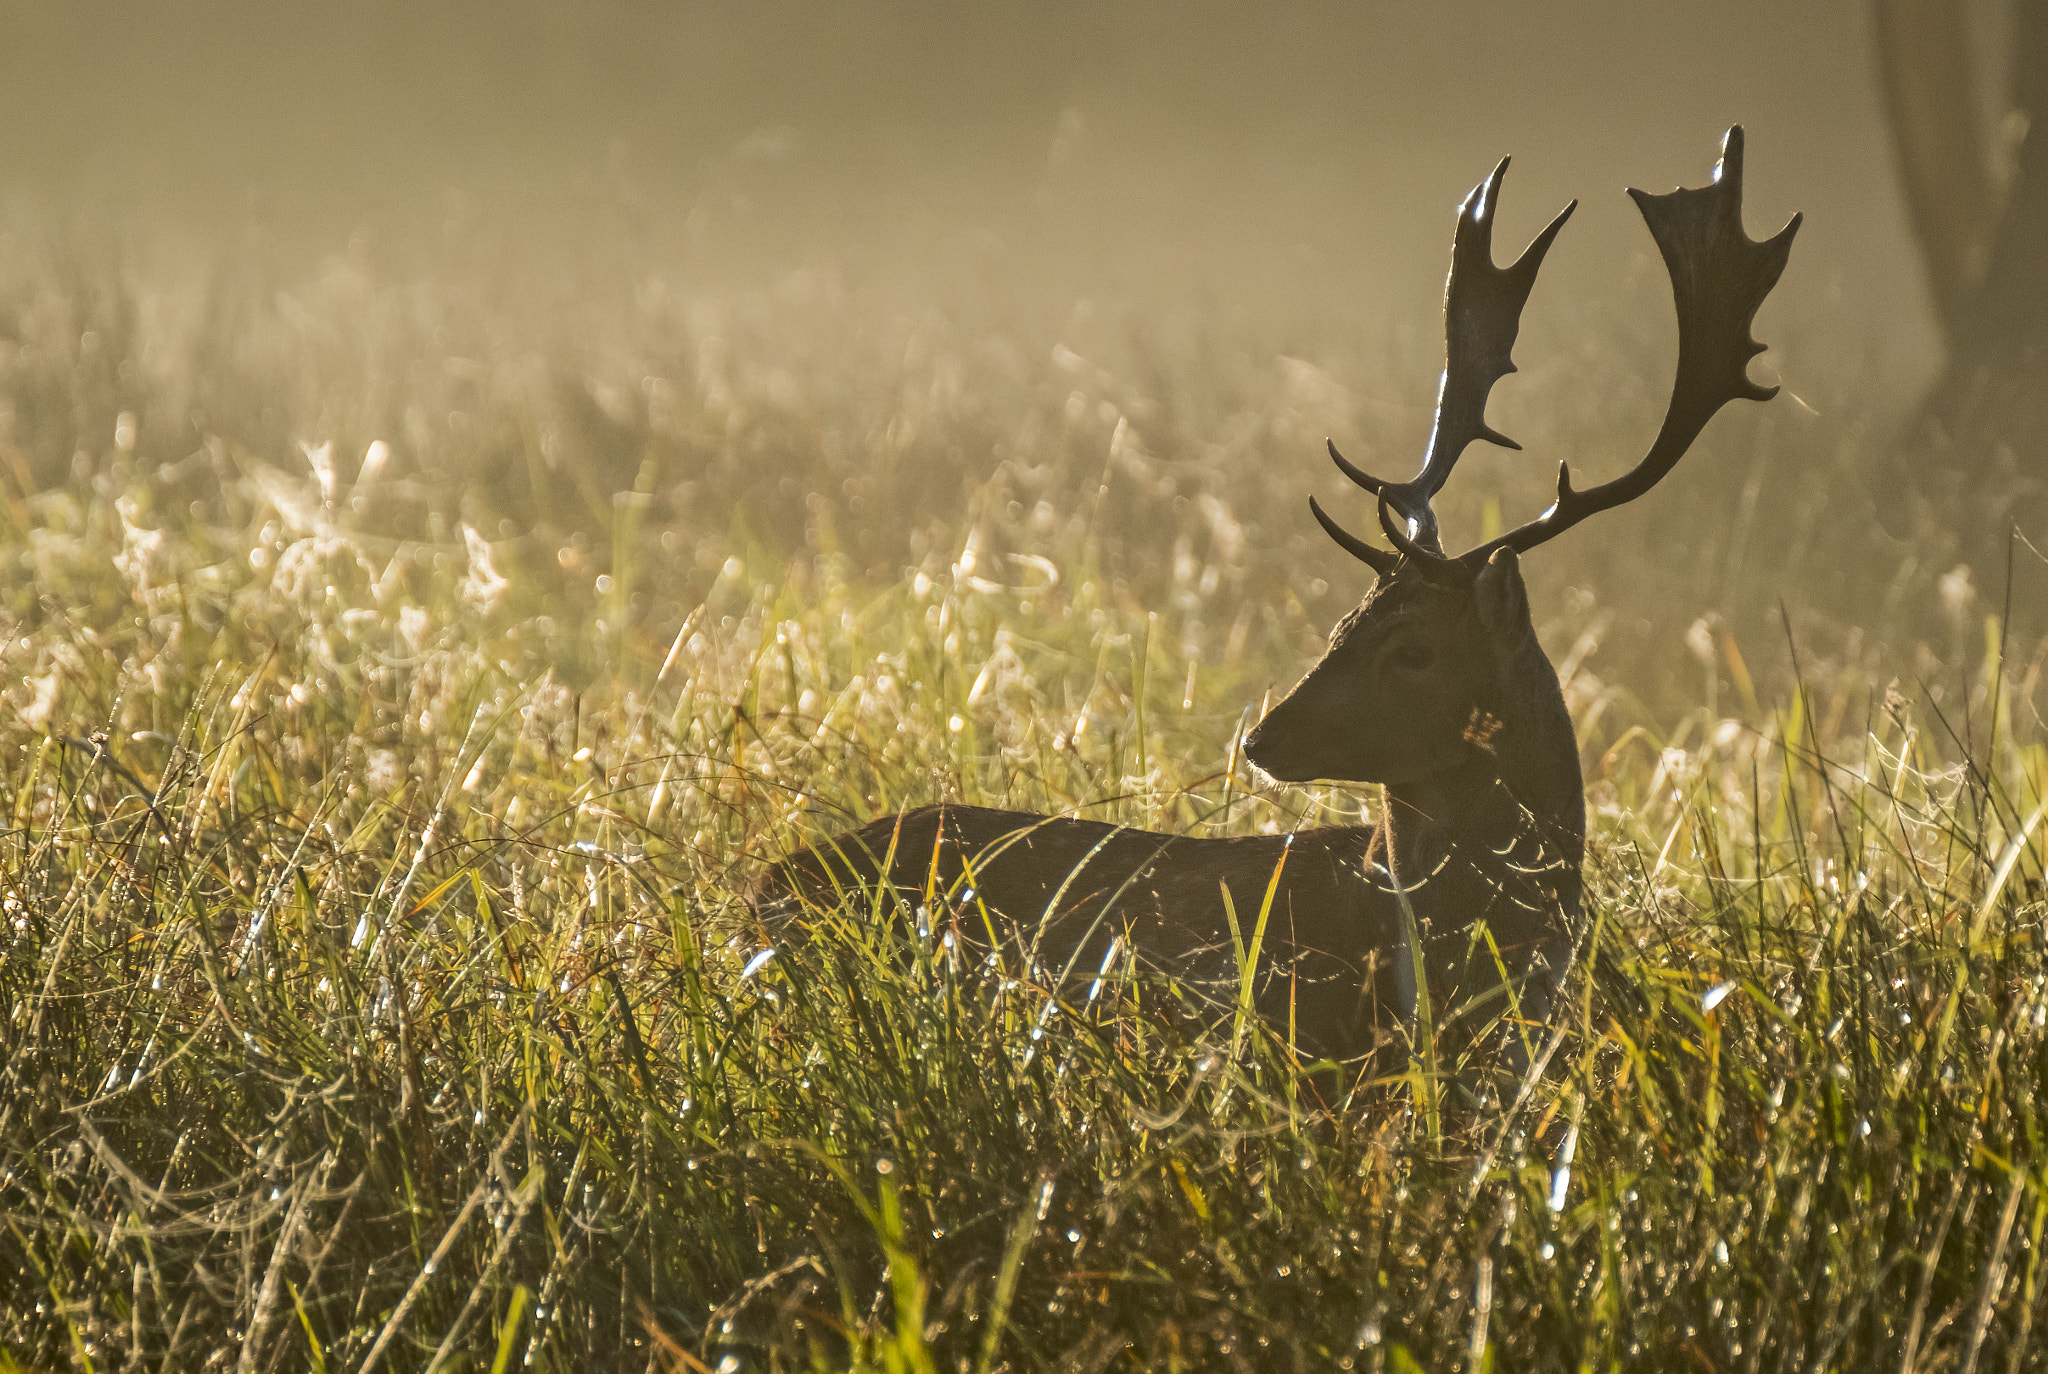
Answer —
1439 666
1415 677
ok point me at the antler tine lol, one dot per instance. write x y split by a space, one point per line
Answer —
1379 560
1431 564
1719 278
1482 315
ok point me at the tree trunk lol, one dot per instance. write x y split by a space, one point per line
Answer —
2008 318
1972 464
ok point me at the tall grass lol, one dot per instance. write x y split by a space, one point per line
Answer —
379 996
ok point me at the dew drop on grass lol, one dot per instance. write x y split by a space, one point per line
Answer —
885 1166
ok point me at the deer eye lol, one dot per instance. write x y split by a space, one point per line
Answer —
1411 655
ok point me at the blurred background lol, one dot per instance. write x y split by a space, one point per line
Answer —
896 281
1300 163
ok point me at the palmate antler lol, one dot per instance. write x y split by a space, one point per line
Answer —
1482 314
1719 278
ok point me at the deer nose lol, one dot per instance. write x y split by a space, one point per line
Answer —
1264 748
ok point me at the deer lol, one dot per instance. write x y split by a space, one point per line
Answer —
1434 687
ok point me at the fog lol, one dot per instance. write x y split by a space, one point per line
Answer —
1292 166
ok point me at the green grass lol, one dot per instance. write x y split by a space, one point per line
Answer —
377 993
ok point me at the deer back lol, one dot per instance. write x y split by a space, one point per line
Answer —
1056 893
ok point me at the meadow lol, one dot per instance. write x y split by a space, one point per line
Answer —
404 674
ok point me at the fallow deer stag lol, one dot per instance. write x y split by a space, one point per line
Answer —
1434 686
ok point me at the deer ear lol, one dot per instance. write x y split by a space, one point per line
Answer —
1503 601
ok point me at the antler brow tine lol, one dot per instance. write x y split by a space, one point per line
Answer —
1719 279
1379 560
1432 565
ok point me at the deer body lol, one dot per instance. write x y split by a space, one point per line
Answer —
1483 806
1434 686
1061 890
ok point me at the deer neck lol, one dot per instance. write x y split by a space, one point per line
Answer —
1509 817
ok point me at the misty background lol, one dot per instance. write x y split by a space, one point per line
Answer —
1296 164
644 293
